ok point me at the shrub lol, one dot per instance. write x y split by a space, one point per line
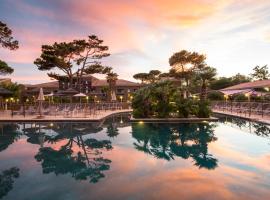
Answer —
183 107
162 99
240 97
204 110
215 96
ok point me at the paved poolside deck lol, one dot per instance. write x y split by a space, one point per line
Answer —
174 120
253 117
6 117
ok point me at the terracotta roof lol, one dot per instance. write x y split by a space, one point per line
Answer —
52 84
119 82
95 82
250 85
4 91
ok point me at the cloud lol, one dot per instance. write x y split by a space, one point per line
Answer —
143 34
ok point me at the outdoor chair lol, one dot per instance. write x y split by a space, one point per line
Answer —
19 112
31 110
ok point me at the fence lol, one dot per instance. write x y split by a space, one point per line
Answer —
59 109
261 109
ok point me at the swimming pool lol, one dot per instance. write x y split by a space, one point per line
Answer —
115 159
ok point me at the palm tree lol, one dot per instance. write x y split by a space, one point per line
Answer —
205 74
111 79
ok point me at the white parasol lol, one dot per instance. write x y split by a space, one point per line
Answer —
80 95
40 99
113 96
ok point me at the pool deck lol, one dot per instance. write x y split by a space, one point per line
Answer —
174 120
6 117
254 118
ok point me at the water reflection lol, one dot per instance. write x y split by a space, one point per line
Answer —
73 154
89 151
7 178
259 129
167 141
9 133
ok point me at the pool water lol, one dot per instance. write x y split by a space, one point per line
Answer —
115 159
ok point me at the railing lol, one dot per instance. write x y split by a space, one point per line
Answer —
59 109
260 109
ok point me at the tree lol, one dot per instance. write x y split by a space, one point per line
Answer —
7 179
223 82
260 73
5 69
141 76
111 79
17 90
183 64
74 59
6 41
153 76
205 74
185 60
239 78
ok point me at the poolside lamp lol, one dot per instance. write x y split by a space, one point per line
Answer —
248 96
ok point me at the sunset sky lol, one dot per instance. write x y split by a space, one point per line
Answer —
141 34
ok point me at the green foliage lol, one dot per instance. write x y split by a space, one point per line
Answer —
75 58
6 39
223 82
215 96
205 75
260 73
184 57
204 110
154 99
151 77
5 69
15 88
240 97
163 100
183 106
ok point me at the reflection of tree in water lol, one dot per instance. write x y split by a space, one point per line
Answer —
8 134
253 127
112 130
79 156
7 180
181 140
261 129
112 124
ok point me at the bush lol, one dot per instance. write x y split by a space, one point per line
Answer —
183 107
204 110
163 99
215 96
240 97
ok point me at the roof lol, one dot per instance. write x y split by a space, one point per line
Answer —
52 84
249 85
5 80
95 83
119 82
4 91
